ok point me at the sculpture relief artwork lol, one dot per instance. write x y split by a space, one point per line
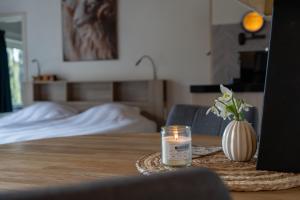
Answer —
89 30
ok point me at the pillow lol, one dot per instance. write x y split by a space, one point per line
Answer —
38 112
108 112
121 108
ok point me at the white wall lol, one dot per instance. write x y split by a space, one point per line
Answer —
228 11
174 32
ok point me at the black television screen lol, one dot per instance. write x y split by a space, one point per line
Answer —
253 66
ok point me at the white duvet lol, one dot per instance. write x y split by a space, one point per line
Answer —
107 118
41 111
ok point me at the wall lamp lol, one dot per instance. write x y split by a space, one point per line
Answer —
252 23
152 63
38 65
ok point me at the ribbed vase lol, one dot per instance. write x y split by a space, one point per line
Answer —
239 141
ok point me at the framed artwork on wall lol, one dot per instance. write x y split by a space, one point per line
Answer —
89 30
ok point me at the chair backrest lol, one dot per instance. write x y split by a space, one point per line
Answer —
181 185
195 116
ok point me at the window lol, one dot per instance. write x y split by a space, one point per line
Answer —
13 25
15 60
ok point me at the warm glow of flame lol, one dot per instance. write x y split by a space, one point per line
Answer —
176 135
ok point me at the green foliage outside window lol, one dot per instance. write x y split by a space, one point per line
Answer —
15 59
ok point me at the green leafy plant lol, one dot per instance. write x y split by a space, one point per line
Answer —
229 107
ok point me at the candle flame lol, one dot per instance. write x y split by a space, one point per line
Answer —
176 135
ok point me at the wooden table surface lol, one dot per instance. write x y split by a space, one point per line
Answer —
70 160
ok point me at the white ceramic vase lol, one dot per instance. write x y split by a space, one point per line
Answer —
239 141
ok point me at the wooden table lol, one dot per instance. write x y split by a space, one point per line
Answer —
71 160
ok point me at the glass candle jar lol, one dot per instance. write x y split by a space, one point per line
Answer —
176 146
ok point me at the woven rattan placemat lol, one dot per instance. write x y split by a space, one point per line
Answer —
238 176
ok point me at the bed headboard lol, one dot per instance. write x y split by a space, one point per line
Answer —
148 95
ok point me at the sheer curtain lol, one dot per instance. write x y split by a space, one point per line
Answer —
5 93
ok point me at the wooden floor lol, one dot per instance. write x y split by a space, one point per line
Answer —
72 160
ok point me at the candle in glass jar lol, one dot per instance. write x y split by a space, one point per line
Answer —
176 146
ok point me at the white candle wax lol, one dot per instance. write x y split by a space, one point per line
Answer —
176 151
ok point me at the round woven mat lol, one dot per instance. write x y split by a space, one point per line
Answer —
238 176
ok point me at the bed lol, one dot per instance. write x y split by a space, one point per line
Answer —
50 120
135 107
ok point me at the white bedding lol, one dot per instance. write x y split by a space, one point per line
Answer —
40 111
108 118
